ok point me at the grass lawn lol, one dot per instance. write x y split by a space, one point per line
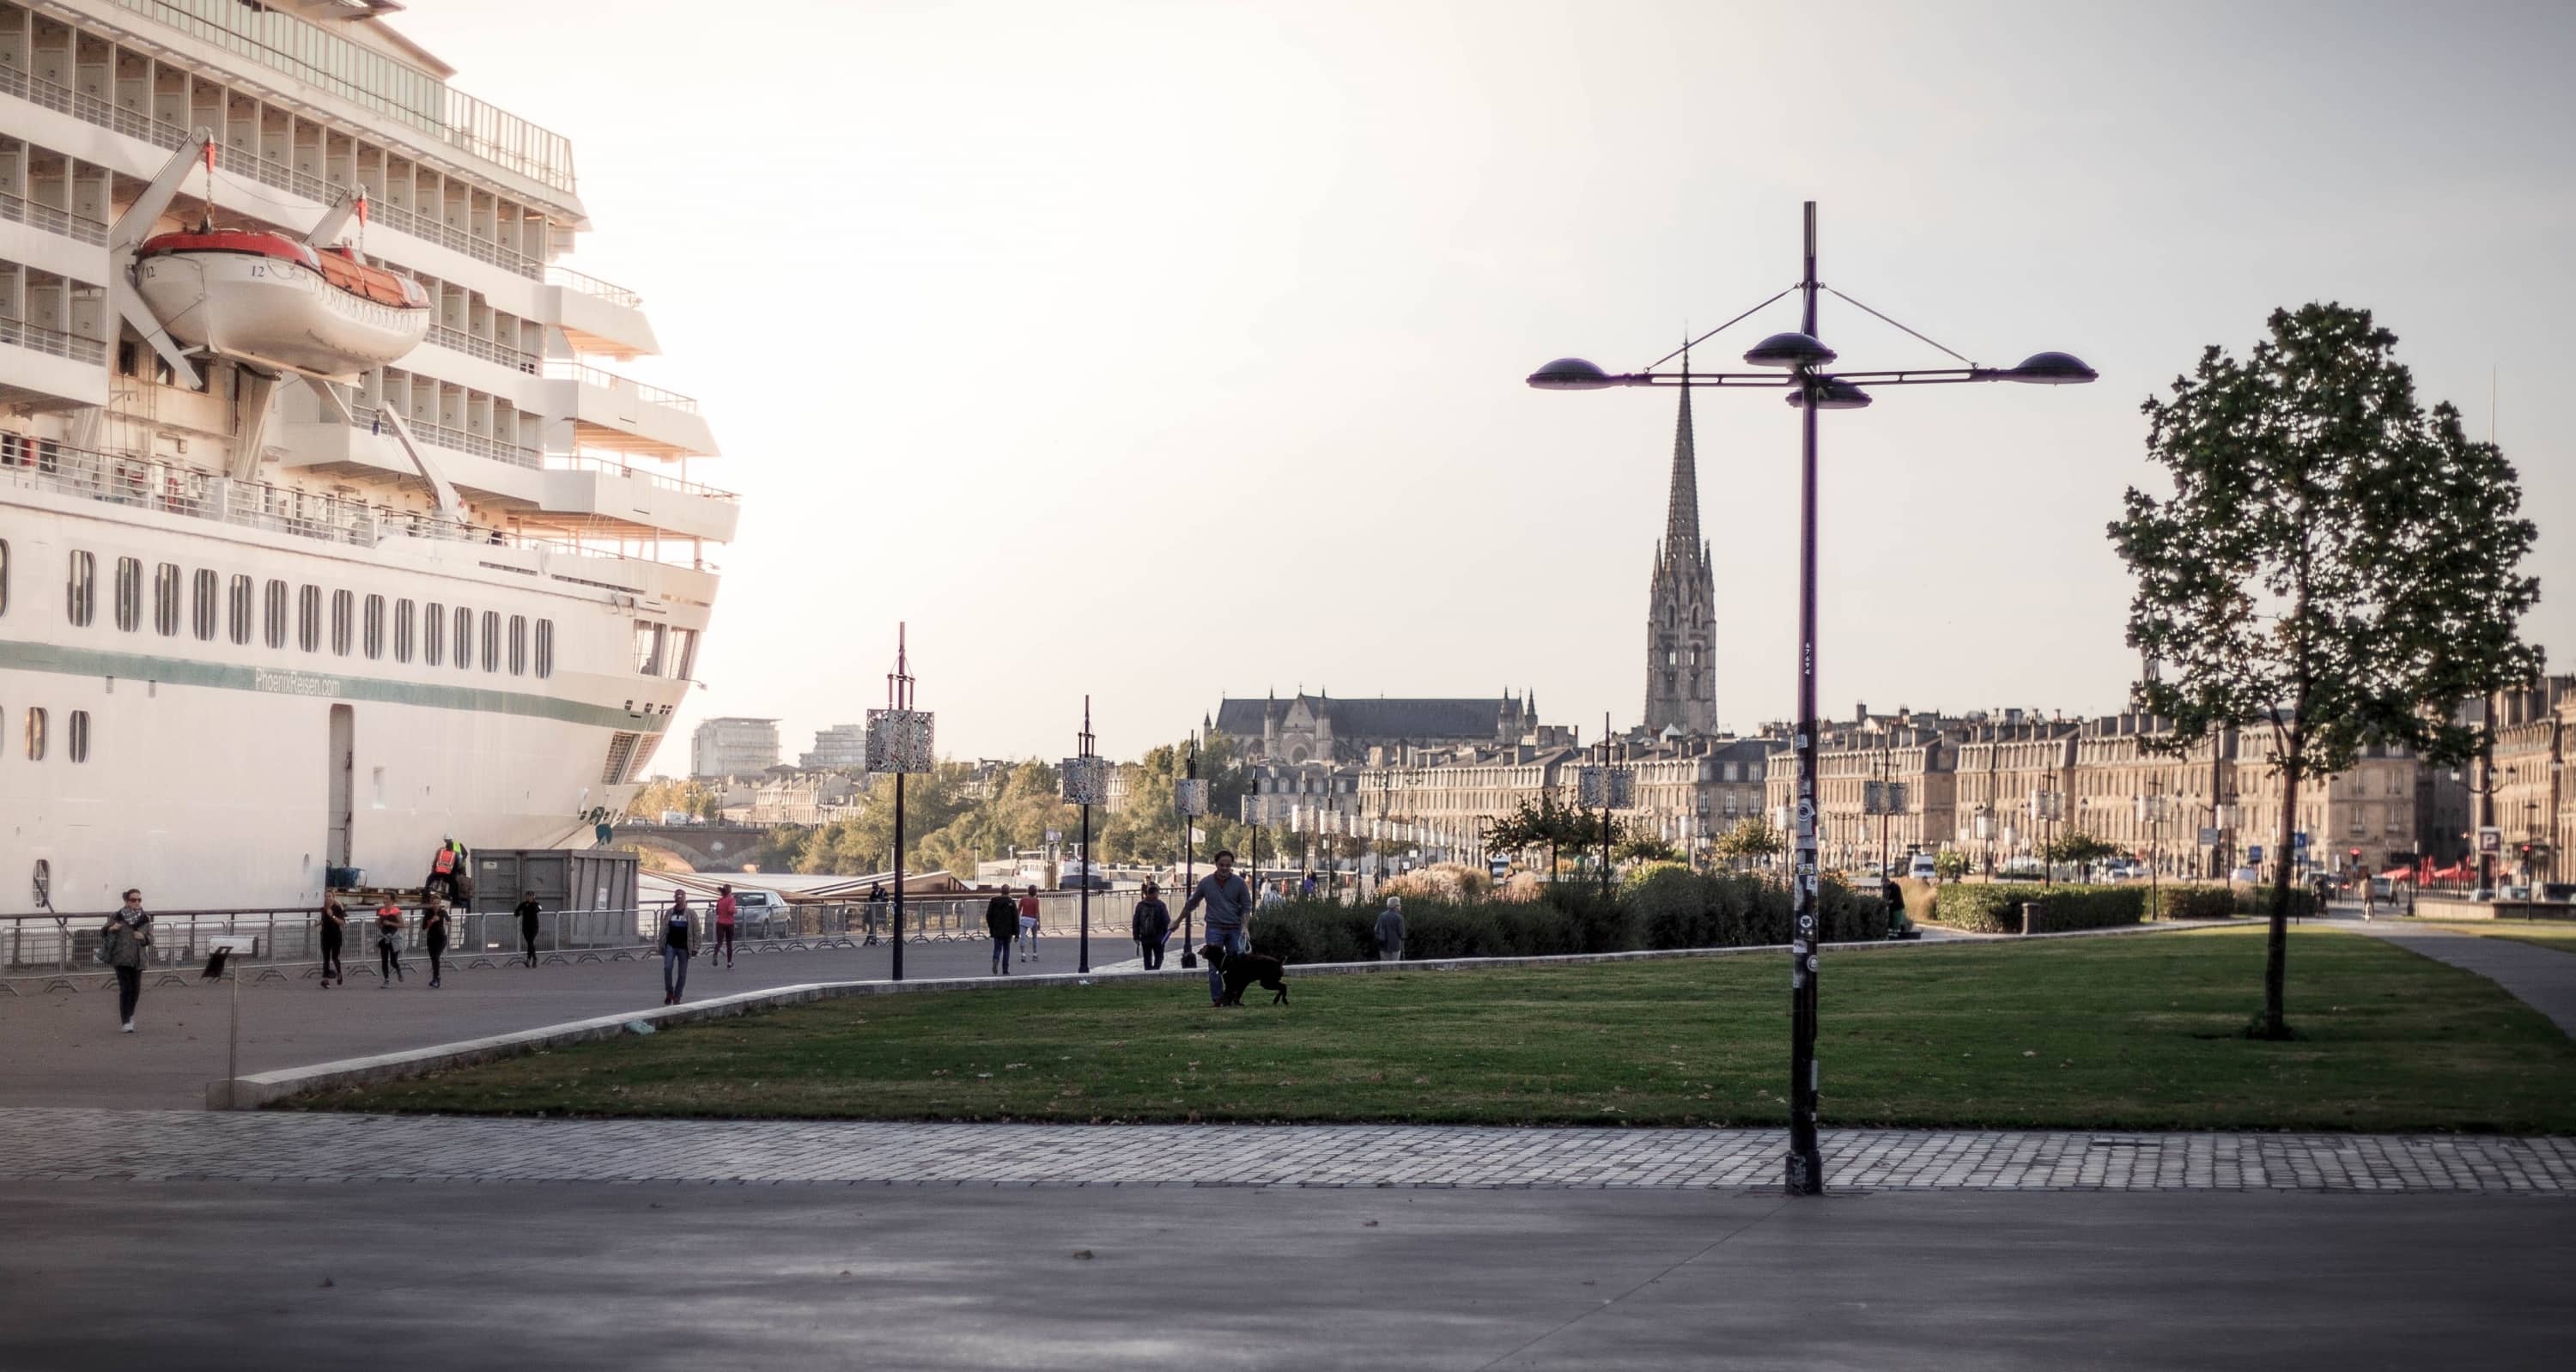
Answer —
2133 1032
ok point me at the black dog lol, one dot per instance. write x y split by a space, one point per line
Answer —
1244 969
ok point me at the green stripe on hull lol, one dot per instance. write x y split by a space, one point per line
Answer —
226 676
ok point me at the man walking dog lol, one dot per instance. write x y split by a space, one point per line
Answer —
1229 904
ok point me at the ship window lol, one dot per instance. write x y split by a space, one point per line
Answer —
81 593
375 626
464 639
273 600
648 647
545 647
238 608
4 576
165 599
129 594
491 640
35 735
80 736
308 618
404 616
201 620
433 634
686 659
518 645
344 610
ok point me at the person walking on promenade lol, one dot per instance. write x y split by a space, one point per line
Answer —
389 925
1390 930
724 927
433 936
876 912
1029 926
1002 921
1153 926
1229 905
121 942
335 933
677 949
527 912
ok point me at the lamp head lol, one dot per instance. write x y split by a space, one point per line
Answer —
1833 393
1571 374
2051 369
1790 349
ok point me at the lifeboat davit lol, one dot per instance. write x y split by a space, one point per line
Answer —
269 298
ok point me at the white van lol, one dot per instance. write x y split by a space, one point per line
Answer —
1920 867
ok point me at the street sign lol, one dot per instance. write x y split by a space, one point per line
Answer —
2299 839
2254 852
2490 840
1191 793
2208 837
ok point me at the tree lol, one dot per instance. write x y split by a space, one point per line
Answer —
2335 566
1751 840
1949 864
2076 848
1640 844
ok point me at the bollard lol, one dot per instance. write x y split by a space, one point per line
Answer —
2032 917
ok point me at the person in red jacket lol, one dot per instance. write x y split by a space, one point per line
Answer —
724 927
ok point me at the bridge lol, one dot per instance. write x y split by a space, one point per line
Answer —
701 846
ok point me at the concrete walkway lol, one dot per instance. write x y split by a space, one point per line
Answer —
2543 978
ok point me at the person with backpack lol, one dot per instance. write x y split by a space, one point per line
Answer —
433 936
724 927
1153 926
677 949
1002 921
527 911
335 932
389 924
875 912
121 942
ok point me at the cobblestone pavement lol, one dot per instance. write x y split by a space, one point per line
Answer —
77 1145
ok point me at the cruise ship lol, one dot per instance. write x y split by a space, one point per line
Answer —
327 530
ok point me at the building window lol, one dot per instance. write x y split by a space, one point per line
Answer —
518 645
344 613
375 625
464 639
238 608
433 634
403 617
80 736
35 735
201 617
129 594
308 618
491 640
545 647
81 591
165 599
274 600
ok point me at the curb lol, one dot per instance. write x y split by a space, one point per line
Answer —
259 1089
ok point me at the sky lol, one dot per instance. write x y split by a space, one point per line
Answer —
1161 352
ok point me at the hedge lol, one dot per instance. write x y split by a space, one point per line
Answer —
2257 900
2195 902
1996 909
1670 907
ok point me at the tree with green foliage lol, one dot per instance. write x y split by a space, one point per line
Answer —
1949 864
2335 566
1640 844
1751 840
2076 848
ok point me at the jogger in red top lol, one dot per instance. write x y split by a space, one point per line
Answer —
724 927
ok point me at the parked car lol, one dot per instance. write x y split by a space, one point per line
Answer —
2020 869
1920 867
761 914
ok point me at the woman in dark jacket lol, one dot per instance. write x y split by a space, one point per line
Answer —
335 933
1002 921
1153 926
433 936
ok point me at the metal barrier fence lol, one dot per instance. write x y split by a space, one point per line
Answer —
60 952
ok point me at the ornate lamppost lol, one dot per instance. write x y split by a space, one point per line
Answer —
899 741
1086 780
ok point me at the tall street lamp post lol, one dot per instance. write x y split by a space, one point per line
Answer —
1084 780
1799 363
899 741
1192 801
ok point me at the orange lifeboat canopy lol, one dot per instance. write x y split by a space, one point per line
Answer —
338 266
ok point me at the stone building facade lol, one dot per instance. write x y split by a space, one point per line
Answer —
1321 729
2535 730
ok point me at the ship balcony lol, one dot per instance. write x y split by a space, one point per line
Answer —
603 491
40 236
617 414
599 319
48 369
478 464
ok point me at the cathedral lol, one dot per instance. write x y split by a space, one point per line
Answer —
1681 629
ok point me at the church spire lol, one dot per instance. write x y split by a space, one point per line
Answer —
1681 515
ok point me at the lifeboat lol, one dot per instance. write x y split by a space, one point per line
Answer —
266 297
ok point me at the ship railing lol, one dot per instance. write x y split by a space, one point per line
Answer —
135 124
21 210
585 462
480 445
560 369
55 341
457 340
593 286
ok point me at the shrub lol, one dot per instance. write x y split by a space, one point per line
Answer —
2195 902
2257 900
1996 909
